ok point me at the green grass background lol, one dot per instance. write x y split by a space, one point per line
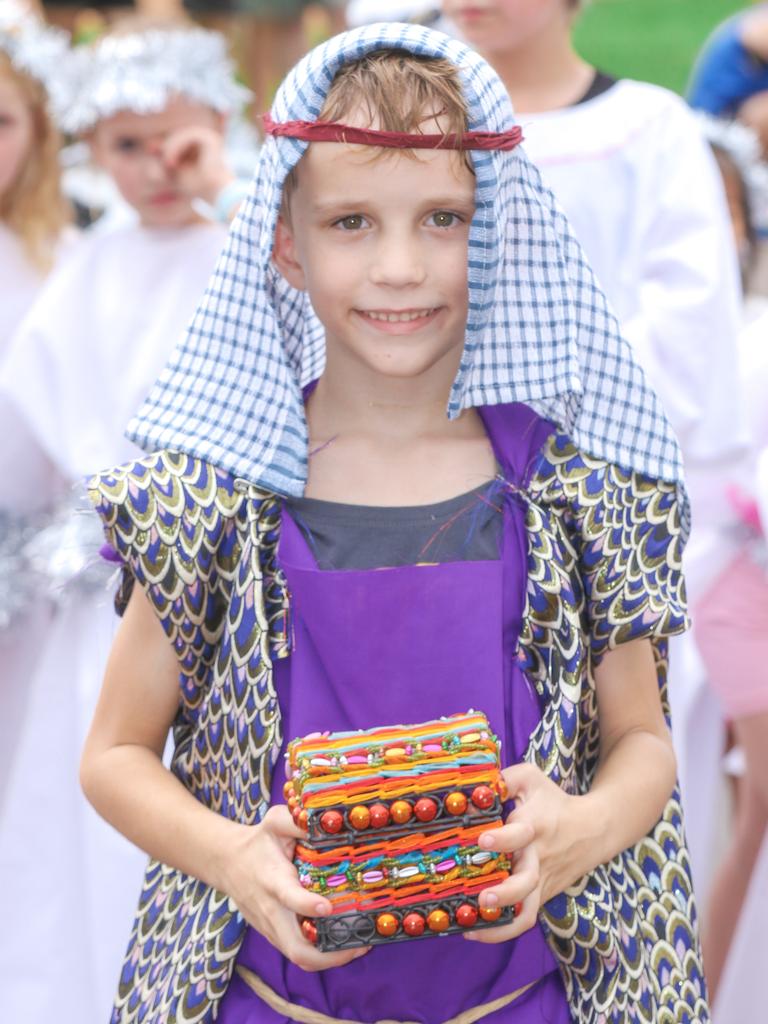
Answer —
653 40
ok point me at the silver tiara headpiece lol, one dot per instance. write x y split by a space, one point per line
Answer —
141 72
742 145
32 47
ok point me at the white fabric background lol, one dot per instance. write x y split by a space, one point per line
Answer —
81 362
641 191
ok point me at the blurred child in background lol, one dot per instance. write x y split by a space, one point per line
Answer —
34 234
628 163
152 102
731 619
729 81
730 76
744 174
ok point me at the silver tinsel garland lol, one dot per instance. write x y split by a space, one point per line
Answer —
19 589
141 72
51 556
32 47
743 147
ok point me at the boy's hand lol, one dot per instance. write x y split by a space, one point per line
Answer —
555 838
195 156
541 837
263 882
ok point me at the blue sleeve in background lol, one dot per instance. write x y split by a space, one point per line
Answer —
725 73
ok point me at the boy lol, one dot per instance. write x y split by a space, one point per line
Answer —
397 283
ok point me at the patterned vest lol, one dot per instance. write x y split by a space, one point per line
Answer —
603 568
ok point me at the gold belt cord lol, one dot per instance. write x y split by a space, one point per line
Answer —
303 1015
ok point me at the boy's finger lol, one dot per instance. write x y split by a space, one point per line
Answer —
512 890
279 821
309 958
287 936
287 891
518 777
525 919
519 886
509 838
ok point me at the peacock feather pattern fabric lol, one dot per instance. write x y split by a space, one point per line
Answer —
604 552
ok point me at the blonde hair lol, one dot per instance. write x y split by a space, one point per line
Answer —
398 92
34 207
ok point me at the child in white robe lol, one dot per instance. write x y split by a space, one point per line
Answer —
153 105
34 234
628 163
732 632
731 619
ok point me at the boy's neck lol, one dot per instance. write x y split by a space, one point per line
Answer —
393 411
392 445
545 74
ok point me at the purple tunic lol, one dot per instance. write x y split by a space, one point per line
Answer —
375 647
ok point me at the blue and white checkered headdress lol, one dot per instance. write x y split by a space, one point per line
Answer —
539 329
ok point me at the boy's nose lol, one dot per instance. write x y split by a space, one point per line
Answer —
398 263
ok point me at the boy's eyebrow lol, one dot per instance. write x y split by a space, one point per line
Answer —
326 206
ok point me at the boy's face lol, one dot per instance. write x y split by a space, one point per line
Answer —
495 26
16 132
380 244
131 149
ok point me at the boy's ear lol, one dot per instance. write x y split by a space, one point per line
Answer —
285 257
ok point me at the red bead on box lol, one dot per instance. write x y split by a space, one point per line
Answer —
393 817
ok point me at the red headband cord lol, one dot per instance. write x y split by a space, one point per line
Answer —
333 131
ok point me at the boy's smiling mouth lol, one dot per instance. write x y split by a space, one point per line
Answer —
397 316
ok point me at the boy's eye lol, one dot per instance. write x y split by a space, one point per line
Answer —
353 222
443 219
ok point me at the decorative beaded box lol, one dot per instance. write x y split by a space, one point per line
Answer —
393 816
